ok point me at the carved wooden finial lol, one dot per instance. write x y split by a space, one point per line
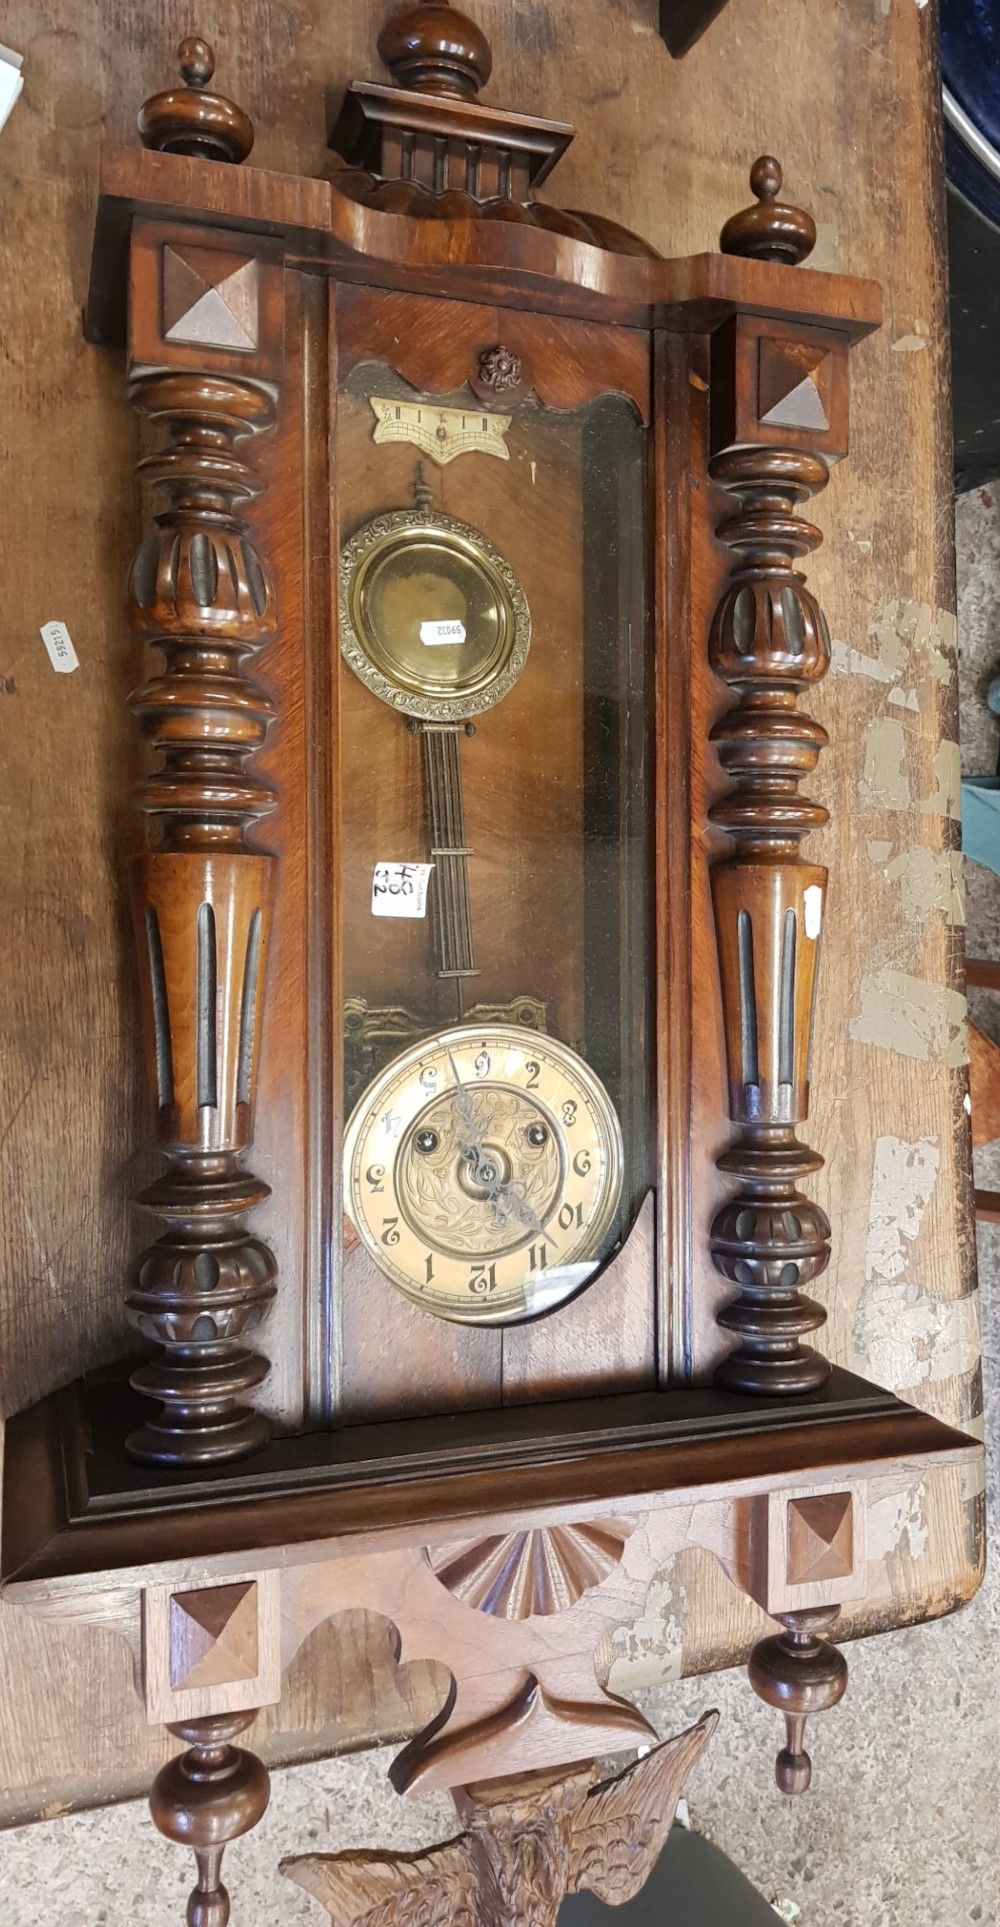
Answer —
799 1672
436 50
773 230
189 120
207 1797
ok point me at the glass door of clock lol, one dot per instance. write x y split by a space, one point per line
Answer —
495 723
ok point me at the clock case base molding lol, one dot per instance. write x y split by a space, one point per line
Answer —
507 1546
76 1506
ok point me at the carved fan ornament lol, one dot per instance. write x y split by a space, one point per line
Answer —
518 1575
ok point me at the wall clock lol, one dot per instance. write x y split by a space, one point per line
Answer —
474 913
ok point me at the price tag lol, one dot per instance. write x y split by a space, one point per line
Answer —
400 889
437 634
11 82
814 910
59 644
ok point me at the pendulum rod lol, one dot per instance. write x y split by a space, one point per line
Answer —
449 852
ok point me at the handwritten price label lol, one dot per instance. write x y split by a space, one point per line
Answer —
400 889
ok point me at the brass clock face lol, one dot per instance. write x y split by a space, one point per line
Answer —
433 618
483 1172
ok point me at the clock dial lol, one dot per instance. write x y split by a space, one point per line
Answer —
483 1172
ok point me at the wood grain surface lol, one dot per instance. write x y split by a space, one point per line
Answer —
846 97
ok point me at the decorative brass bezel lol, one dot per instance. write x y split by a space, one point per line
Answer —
397 529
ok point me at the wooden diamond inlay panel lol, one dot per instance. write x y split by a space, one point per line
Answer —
792 379
210 299
213 1636
820 1538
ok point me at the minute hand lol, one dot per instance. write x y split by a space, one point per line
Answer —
503 1197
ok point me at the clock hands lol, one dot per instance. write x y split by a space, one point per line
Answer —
506 1196
455 1205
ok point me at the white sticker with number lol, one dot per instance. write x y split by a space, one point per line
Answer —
400 889
59 644
437 634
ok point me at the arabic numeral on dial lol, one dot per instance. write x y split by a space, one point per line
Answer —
429 1077
391 1122
533 1070
483 1280
571 1214
390 1233
483 1064
582 1164
569 1111
538 1257
374 1178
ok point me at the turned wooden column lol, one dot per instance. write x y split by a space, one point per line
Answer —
204 338
202 901
778 419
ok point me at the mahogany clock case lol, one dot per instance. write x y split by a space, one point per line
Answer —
558 910
631 830
615 373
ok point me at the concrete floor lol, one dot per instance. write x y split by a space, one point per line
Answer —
902 1826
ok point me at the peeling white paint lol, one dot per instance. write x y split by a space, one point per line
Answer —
929 880
825 254
973 1480
652 1648
907 628
885 779
878 851
912 641
974 1476
910 1338
846 661
909 344
896 1523
903 1179
911 1016
905 698
946 799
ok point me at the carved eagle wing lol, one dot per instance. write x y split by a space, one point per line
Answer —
623 1823
391 1889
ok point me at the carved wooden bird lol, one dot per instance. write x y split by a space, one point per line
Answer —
526 1845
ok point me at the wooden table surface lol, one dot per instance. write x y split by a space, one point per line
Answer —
846 97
